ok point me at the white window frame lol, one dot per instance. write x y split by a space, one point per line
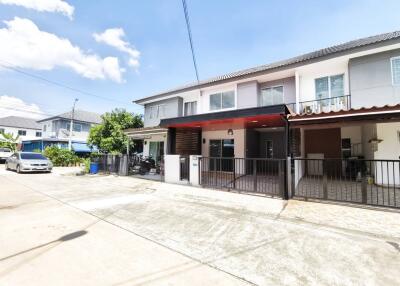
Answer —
273 86
329 85
191 102
234 90
36 134
391 70
22 131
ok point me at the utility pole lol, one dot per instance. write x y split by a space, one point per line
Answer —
71 125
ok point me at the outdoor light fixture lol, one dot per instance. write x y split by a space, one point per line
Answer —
204 140
145 142
230 132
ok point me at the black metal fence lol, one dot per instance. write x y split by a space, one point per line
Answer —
372 182
264 176
133 164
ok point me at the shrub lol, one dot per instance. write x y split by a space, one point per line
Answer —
61 157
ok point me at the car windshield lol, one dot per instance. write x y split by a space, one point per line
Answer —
32 156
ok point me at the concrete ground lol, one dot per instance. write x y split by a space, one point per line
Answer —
60 229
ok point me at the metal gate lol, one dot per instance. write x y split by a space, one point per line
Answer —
371 182
253 175
184 167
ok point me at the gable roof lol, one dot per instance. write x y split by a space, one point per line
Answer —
79 115
20 122
318 55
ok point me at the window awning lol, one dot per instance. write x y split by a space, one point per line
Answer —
266 116
145 132
82 148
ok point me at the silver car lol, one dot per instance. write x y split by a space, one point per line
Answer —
28 162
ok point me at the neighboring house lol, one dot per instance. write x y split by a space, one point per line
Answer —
339 102
56 131
26 128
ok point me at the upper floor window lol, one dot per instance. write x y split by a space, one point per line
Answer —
271 95
190 108
329 87
2 130
395 63
222 100
77 127
156 111
38 134
22 132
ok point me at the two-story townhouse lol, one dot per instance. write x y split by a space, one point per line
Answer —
56 131
336 103
24 128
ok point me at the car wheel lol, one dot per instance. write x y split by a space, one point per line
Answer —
18 169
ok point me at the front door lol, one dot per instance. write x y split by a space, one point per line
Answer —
221 153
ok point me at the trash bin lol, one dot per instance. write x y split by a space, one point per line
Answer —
94 168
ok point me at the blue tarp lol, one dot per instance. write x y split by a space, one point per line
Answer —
82 148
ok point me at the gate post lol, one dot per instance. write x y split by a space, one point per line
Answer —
282 177
324 179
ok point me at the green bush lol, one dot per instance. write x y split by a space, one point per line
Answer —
61 157
86 161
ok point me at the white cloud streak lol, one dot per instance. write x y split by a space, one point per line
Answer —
55 6
114 38
13 106
24 45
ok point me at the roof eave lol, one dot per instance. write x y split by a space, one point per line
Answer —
273 69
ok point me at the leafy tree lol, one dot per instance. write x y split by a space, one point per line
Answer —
109 136
10 141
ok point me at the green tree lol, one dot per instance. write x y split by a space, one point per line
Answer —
9 141
109 136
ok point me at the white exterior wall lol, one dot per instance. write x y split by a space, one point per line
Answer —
205 98
172 168
189 97
388 149
238 136
154 138
30 133
53 130
309 73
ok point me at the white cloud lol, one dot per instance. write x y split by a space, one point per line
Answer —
13 106
113 37
58 6
24 45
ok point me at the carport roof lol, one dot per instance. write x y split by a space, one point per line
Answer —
266 115
385 112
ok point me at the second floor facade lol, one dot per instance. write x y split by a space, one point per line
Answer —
58 127
361 73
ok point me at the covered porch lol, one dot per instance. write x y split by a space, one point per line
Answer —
148 162
350 156
237 150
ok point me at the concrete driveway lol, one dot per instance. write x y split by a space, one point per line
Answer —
59 229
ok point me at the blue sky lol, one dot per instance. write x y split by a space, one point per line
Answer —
228 36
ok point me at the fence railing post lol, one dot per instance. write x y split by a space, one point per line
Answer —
234 173
255 174
325 179
281 179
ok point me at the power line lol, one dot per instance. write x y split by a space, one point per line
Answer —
26 110
10 67
185 10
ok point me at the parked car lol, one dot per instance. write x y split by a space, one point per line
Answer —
5 153
28 162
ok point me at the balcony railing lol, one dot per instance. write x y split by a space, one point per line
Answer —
321 105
